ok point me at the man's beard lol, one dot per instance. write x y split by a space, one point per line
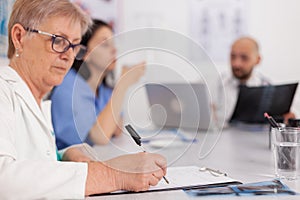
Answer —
242 76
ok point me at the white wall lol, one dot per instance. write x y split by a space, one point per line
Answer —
169 14
274 23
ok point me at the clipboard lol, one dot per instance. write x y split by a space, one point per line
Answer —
186 177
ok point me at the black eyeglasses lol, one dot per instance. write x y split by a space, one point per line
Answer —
61 44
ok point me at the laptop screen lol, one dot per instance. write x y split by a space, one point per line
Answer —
253 102
179 105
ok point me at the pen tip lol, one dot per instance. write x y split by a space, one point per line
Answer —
166 180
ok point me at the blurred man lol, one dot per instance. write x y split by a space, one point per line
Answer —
244 57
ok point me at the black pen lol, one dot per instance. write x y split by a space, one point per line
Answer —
271 120
137 138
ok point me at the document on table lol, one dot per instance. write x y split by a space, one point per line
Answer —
186 177
191 177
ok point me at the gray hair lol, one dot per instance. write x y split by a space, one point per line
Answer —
31 13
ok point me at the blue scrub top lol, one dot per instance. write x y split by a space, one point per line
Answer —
75 109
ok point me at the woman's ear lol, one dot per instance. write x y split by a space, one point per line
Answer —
17 34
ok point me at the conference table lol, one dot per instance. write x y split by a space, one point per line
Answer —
242 152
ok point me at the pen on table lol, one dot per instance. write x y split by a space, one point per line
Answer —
135 136
271 120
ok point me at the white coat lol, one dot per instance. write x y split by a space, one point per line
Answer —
28 165
230 84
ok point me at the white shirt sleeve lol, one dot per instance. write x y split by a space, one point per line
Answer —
33 179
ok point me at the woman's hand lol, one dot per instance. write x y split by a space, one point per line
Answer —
131 75
133 172
119 128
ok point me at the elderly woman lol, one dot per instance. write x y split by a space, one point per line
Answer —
44 39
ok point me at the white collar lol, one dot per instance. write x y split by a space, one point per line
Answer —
22 90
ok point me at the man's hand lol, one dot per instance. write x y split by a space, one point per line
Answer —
288 116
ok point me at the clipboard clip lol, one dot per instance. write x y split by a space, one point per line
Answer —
213 172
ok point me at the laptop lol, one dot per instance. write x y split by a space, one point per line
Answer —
253 102
179 105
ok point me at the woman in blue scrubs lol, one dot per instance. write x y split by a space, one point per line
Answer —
84 107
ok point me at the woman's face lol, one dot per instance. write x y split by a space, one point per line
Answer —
102 52
40 65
